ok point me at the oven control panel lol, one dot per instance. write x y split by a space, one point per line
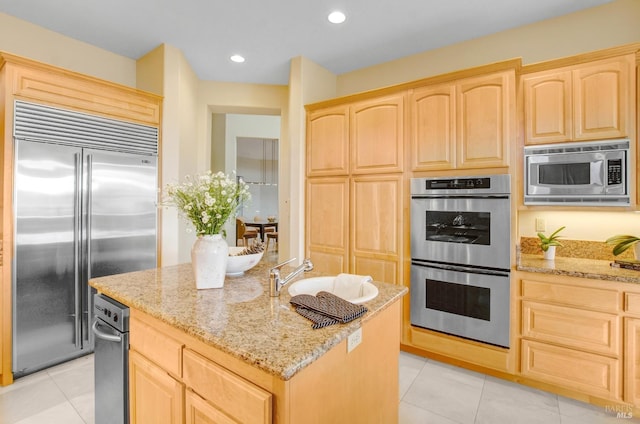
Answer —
458 183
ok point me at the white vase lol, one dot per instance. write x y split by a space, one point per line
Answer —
209 261
550 254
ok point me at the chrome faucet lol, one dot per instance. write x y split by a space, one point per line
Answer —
276 283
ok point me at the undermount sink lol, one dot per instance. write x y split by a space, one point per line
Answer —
314 285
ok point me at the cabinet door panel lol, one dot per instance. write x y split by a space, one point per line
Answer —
377 135
376 226
484 129
585 372
328 142
632 361
602 99
237 397
154 396
327 225
584 330
433 127
548 108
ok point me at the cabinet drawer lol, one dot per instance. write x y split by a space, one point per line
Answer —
632 303
236 397
585 330
157 346
585 372
585 297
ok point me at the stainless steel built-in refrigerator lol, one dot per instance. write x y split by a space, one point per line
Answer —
82 210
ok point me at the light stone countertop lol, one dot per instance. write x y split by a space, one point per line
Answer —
578 267
241 318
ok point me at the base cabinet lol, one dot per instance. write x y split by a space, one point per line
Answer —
205 385
154 396
582 336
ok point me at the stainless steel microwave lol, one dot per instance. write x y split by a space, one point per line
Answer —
589 174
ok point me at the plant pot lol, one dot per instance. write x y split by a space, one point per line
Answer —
209 261
550 254
636 251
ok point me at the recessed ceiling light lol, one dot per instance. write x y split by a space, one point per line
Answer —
237 58
336 17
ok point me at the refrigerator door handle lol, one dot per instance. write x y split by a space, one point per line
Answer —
77 223
89 211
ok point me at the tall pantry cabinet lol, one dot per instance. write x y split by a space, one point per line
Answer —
354 196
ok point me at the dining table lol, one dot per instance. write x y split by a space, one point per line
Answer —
261 225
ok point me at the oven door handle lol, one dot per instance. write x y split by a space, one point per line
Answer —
461 268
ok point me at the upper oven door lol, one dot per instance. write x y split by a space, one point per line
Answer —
462 230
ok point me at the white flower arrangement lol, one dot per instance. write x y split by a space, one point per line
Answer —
207 200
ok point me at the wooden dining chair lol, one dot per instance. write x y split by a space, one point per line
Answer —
271 235
244 234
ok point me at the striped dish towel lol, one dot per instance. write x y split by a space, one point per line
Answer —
326 309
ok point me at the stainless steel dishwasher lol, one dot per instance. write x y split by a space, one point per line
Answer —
111 369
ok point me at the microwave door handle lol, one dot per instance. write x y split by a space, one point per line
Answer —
597 172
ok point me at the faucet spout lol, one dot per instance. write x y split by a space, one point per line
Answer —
276 283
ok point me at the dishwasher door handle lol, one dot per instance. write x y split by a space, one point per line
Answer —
104 336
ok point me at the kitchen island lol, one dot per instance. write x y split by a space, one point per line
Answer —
238 355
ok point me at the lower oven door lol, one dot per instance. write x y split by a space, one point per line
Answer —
461 301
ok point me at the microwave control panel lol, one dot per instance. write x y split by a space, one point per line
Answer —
614 171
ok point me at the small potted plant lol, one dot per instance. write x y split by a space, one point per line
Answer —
622 242
548 244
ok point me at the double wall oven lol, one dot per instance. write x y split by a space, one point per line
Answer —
460 256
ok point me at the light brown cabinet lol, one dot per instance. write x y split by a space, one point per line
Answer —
328 142
464 124
353 213
632 348
589 101
154 396
212 386
377 135
571 335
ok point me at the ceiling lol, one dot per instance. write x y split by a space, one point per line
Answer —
270 33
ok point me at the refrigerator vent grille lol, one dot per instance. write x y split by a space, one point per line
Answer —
44 123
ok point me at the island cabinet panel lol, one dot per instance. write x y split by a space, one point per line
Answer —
225 391
377 135
199 411
588 101
327 223
328 142
154 396
467 123
157 346
585 372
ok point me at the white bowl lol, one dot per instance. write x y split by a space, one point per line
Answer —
237 265
315 284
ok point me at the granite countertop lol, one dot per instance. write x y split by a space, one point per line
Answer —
578 267
240 319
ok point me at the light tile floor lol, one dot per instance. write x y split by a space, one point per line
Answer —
430 393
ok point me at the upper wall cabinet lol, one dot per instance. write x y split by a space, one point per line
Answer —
377 135
465 124
589 101
328 142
